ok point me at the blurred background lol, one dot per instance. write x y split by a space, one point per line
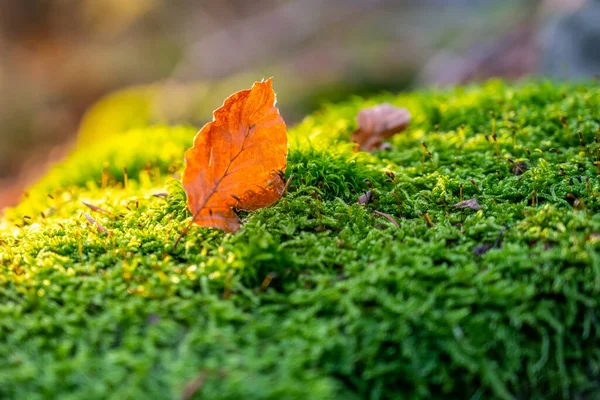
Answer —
180 58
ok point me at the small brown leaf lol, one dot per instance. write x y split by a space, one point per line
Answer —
237 160
378 123
472 204
365 198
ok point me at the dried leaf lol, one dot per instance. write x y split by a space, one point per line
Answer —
375 124
472 204
237 160
365 198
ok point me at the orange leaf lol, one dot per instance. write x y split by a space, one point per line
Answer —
375 124
237 160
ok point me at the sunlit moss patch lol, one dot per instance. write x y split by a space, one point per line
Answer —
318 296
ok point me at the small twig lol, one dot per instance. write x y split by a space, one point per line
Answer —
388 217
287 183
125 178
530 157
99 227
96 208
194 385
474 184
267 281
514 135
428 220
496 143
498 243
429 154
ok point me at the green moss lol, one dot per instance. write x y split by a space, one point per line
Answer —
318 297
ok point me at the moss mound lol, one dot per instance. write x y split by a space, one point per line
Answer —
317 296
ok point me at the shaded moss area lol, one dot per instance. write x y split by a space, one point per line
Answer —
317 296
